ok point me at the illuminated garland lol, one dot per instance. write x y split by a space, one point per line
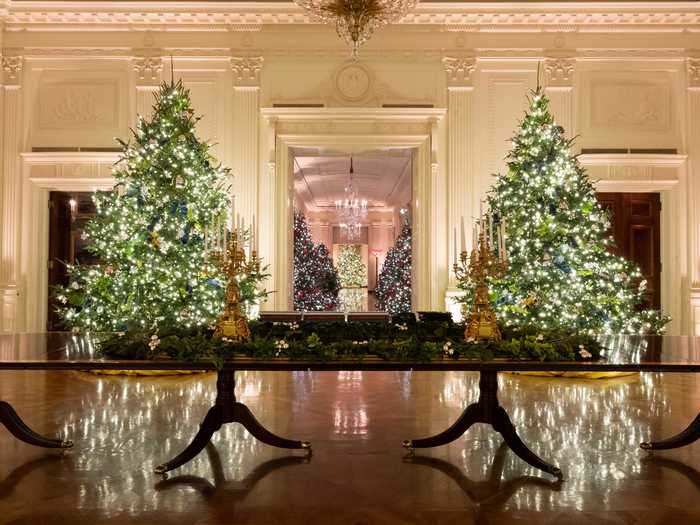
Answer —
561 273
149 234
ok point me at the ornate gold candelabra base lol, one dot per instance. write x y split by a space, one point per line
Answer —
235 328
482 319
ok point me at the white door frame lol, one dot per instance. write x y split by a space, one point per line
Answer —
41 173
665 174
354 130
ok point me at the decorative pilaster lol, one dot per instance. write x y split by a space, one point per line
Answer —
693 178
10 191
559 88
148 69
246 129
460 175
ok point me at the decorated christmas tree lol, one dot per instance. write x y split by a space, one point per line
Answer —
394 283
149 234
352 272
561 272
315 278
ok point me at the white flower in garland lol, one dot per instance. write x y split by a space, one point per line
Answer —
583 352
447 348
280 345
154 342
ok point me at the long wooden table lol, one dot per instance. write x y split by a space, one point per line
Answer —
62 351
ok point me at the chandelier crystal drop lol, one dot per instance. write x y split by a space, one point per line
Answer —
351 209
356 20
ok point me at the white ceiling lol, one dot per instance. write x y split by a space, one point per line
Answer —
320 179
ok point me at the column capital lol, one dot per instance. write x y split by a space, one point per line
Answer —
148 66
693 72
559 71
460 71
246 71
11 69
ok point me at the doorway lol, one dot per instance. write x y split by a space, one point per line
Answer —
635 226
356 208
68 215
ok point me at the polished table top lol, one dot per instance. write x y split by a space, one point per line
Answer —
66 351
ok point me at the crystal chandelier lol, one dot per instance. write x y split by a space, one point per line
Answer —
356 20
351 209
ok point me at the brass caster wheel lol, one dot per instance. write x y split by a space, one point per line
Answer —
557 473
306 445
66 443
407 443
161 469
646 446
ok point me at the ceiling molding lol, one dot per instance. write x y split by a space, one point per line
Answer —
453 16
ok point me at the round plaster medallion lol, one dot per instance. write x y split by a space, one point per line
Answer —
352 82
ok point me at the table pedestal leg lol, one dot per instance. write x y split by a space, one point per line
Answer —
228 410
686 437
487 410
21 431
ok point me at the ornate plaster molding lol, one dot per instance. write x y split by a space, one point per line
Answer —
148 68
247 16
459 71
693 71
559 71
11 69
246 71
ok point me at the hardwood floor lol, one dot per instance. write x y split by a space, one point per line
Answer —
358 474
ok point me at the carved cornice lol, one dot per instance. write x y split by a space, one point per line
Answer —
148 69
559 71
246 71
247 16
459 71
11 69
693 71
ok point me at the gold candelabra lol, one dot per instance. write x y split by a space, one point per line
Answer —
478 266
233 323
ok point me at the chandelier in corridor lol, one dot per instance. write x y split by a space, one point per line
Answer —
356 20
351 209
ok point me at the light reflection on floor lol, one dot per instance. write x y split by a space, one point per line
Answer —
123 427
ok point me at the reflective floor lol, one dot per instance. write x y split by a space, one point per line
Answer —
358 474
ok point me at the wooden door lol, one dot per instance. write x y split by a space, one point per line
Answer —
68 213
635 228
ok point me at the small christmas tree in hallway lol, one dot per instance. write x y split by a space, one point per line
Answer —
149 234
315 278
352 272
561 273
394 283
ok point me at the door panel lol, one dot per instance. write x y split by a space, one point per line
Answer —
635 224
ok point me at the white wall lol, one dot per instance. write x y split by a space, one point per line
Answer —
66 85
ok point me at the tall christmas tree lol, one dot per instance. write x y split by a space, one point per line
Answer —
561 272
149 234
352 272
315 278
394 283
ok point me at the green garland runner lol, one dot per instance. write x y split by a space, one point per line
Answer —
337 340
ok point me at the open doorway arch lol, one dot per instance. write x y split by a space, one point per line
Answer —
353 131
